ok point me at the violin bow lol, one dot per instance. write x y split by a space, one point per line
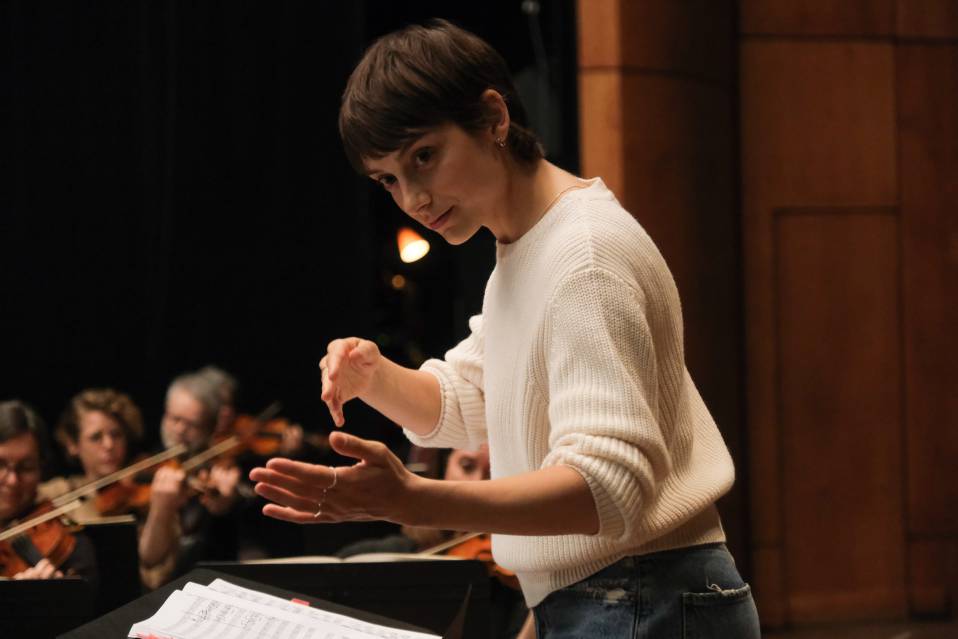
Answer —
15 530
213 451
123 473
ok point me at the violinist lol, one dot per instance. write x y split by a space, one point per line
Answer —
22 451
290 442
257 536
98 430
208 519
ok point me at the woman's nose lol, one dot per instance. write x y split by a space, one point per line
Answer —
415 200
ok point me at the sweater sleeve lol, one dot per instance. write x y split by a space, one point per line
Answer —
603 396
462 416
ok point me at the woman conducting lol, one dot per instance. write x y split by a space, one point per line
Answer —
606 464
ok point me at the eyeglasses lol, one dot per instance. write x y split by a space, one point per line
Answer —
23 469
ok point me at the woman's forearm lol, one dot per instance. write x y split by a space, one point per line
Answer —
551 501
407 396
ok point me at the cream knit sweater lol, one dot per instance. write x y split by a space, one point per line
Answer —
577 359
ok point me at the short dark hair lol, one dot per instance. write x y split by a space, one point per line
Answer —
421 77
17 418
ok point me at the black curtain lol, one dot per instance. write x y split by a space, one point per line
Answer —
176 195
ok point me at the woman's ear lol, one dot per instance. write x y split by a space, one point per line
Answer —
72 449
498 113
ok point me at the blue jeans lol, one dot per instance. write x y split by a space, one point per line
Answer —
685 593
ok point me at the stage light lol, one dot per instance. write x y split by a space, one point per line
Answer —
412 246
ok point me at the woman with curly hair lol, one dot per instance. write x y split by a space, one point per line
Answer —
100 429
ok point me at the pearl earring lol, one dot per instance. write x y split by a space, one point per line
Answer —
501 143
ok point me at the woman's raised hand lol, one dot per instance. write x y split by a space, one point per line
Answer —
378 487
347 371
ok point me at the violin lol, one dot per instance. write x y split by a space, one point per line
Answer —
42 536
476 546
265 437
119 493
263 434
119 500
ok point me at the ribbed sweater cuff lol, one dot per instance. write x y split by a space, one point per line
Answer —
455 409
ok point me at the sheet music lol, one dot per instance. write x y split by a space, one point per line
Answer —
384 632
199 612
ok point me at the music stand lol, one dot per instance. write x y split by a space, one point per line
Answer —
44 607
420 592
119 622
115 542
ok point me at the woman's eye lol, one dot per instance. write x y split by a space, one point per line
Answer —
423 156
386 181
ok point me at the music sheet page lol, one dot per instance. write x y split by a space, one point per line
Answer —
384 632
199 611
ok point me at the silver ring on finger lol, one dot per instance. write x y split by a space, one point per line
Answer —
322 498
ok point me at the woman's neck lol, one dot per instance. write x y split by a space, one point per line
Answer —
530 193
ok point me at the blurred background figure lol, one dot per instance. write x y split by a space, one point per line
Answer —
209 518
23 449
100 431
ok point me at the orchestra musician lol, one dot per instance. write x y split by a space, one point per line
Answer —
99 430
208 519
606 463
291 442
23 450
260 537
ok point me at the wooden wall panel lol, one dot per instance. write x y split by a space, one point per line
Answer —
817 129
840 413
689 38
928 130
817 17
927 18
818 123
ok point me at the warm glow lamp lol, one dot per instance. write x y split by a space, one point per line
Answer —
412 246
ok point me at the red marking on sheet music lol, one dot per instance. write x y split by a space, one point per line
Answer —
300 602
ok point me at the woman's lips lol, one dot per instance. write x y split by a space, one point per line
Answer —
439 221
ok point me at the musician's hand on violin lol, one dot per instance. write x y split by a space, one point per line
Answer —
377 487
221 482
347 372
292 440
43 570
167 492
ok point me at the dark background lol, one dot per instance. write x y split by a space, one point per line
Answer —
178 196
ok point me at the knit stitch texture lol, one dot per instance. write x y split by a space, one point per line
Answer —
577 359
